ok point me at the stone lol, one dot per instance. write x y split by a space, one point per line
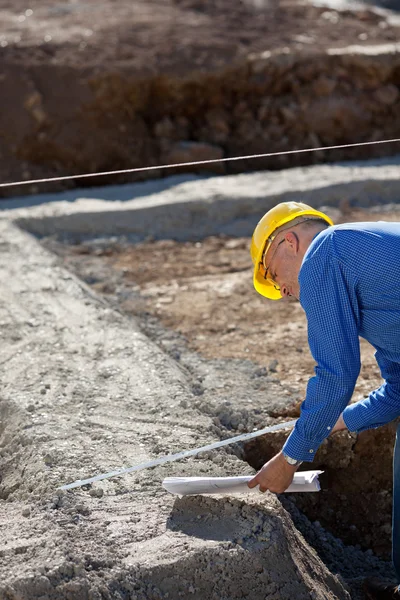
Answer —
288 113
218 125
185 151
33 105
259 62
388 94
164 128
324 86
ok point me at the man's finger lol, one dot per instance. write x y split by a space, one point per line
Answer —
253 482
263 490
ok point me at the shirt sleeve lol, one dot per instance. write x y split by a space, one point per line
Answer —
382 405
328 296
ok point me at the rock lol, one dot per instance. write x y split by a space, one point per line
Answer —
96 492
184 152
330 15
48 459
328 118
388 94
33 105
272 366
259 62
324 86
217 126
164 128
288 114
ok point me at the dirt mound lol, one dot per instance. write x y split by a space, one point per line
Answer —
90 87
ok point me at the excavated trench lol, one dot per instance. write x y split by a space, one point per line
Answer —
355 500
195 299
298 77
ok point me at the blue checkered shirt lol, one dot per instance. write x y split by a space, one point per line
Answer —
349 288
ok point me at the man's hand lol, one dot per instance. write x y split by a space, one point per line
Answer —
340 425
276 475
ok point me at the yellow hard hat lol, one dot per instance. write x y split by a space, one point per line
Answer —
262 238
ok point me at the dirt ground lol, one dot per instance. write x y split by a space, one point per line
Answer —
202 294
194 300
177 36
204 291
89 86
84 391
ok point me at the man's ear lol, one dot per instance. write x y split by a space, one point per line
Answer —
292 241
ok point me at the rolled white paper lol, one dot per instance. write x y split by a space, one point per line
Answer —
306 481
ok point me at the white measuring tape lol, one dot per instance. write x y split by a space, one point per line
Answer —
173 457
193 163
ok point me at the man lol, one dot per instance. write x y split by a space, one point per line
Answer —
346 278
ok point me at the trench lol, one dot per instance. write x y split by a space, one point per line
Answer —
199 306
355 500
273 96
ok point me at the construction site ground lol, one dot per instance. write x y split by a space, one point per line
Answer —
196 299
182 36
130 330
129 327
91 86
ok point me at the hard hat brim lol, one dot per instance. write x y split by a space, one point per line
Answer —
264 287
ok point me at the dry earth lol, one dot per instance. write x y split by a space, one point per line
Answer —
94 378
95 86
203 290
196 300
179 36
174 345
84 391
